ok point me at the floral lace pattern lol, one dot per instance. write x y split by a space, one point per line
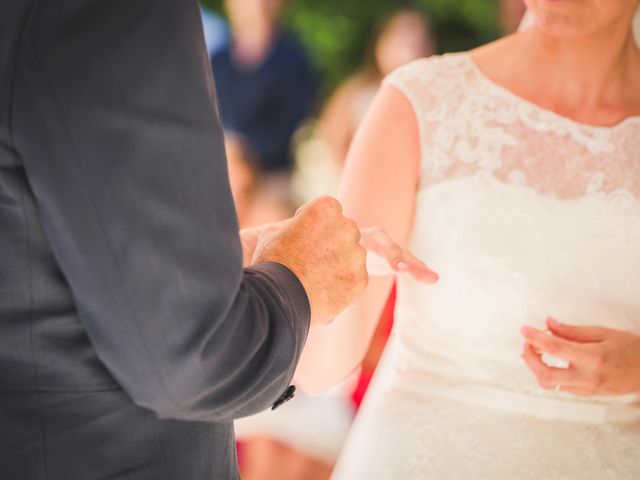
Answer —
470 125
524 214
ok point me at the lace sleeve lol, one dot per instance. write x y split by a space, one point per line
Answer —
420 82
412 80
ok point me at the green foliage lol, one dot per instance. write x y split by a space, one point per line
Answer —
337 32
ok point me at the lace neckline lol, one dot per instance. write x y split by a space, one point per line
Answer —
508 94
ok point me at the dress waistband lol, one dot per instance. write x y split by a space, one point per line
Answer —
548 408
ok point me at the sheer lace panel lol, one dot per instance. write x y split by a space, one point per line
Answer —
470 125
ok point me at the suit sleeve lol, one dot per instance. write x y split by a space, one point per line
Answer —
116 122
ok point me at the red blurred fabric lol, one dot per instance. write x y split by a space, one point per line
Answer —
376 348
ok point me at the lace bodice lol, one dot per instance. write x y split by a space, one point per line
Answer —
524 213
470 125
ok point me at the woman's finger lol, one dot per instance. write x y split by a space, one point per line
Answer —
575 333
416 268
548 377
378 241
399 259
558 347
579 391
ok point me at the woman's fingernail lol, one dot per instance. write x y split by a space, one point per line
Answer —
553 322
402 267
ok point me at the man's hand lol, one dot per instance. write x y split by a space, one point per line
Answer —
384 256
250 236
322 247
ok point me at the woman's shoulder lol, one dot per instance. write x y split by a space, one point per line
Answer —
428 82
425 70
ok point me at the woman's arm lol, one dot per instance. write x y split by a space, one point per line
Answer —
378 189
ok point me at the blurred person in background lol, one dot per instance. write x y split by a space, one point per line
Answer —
402 36
265 82
258 198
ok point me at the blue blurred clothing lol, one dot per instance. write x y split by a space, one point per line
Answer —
216 31
266 103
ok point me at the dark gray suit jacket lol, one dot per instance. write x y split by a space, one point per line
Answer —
130 336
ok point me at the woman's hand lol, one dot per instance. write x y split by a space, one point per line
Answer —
601 361
376 241
395 258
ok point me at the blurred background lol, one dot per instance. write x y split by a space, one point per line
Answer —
295 78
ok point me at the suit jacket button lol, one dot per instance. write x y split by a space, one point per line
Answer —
285 397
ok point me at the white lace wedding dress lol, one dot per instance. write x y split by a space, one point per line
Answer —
524 214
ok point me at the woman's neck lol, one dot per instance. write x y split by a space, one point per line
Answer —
593 79
590 72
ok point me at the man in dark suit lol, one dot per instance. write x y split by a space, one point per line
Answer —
130 335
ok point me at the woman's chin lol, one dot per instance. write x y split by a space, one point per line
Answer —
563 25
578 18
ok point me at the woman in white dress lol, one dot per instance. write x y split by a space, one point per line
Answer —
514 171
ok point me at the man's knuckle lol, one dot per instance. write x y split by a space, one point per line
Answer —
328 204
351 226
319 205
